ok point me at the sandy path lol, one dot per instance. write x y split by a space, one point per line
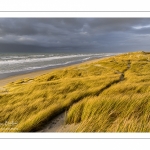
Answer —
58 125
54 124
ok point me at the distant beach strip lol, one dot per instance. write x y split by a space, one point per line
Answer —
13 76
18 64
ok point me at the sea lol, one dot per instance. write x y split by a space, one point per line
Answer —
12 64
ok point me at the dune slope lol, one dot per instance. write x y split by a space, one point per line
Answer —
109 95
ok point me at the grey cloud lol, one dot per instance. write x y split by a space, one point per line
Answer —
74 34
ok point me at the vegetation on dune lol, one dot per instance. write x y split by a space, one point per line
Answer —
109 95
123 107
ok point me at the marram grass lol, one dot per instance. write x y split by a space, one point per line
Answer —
110 95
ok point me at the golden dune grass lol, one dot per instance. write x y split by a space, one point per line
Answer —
109 95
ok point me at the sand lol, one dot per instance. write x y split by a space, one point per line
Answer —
58 125
31 75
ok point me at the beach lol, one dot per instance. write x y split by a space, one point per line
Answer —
34 74
18 66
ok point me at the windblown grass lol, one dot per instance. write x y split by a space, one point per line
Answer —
110 95
123 107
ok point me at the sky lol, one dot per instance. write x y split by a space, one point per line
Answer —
74 34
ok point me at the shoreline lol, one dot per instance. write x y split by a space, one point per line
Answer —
37 73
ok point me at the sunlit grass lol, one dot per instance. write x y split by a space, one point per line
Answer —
110 95
123 107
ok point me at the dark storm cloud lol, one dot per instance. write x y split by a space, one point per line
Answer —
74 34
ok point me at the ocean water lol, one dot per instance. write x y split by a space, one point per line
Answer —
20 63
